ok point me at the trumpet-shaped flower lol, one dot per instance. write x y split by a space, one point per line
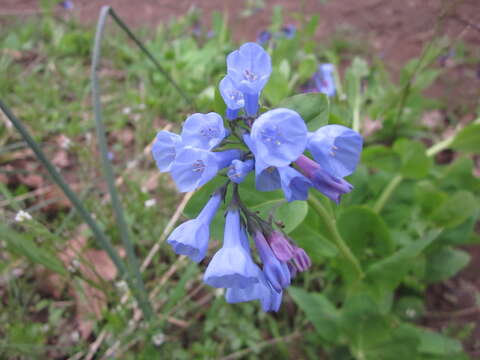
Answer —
191 237
238 170
324 79
232 266
329 185
279 137
249 67
232 96
195 167
337 148
165 148
203 131
275 271
294 185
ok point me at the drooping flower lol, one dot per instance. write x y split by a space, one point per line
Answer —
281 247
238 170
233 97
329 185
301 260
231 266
203 131
324 79
249 68
294 185
165 148
279 137
275 271
191 237
337 148
195 167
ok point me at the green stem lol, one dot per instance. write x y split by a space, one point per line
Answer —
138 286
335 235
356 113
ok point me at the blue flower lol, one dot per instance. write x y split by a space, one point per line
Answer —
324 79
238 170
231 266
288 31
249 67
233 98
275 271
204 131
337 148
331 186
294 185
191 237
264 37
279 137
165 148
195 167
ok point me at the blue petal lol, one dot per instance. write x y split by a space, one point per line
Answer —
190 239
272 301
336 148
294 185
164 149
203 131
238 170
233 98
267 178
330 186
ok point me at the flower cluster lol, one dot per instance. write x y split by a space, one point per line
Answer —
282 154
323 80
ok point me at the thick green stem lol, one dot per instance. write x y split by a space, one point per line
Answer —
335 235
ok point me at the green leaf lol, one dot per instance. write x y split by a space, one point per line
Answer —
455 210
381 157
428 196
415 163
312 107
307 67
433 343
366 233
445 263
277 88
468 139
319 311
290 214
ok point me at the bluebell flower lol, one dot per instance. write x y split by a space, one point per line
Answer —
288 31
264 37
231 266
191 237
233 98
324 79
203 131
67 4
281 246
238 170
301 260
279 137
249 67
275 271
195 167
331 186
294 185
165 148
337 148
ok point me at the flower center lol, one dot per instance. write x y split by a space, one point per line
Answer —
210 132
198 166
271 135
249 75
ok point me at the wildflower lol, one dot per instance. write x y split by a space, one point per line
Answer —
294 185
288 31
337 148
300 259
275 271
191 237
67 4
331 186
264 37
281 247
150 203
238 170
249 68
164 149
204 131
158 339
279 136
324 79
195 167
231 266
22 216
233 98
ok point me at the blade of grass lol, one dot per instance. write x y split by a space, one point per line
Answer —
103 241
108 10
133 265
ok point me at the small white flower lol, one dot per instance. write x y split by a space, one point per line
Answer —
121 285
411 313
65 142
127 110
219 292
150 203
75 336
22 216
158 339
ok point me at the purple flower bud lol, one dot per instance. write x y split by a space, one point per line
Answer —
301 259
191 237
330 186
275 271
280 246
232 266
279 137
238 170
165 148
203 131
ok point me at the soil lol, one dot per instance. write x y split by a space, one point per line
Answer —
395 30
